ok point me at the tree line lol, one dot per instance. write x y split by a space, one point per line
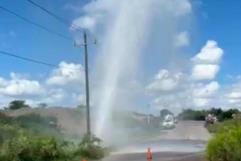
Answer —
199 115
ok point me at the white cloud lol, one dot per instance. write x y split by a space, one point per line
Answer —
67 74
173 102
234 95
206 63
235 102
182 39
55 97
192 96
200 102
86 22
204 94
209 54
20 87
204 71
3 82
206 91
184 8
62 88
191 93
165 81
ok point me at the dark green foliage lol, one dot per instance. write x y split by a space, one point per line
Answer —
190 114
33 123
227 114
32 148
6 130
89 148
28 147
199 115
33 138
225 146
42 105
4 118
38 124
164 112
17 104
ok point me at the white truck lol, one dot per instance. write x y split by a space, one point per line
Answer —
169 122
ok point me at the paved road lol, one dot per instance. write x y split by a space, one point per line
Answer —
187 130
188 136
184 143
157 157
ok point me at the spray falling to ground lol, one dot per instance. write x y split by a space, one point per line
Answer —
130 31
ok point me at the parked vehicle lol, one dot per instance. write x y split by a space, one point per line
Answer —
168 122
210 119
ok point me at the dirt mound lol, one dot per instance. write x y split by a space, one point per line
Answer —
70 121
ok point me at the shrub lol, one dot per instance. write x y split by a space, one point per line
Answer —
225 146
4 118
38 124
9 131
89 148
225 126
26 148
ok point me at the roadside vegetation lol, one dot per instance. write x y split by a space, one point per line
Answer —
225 144
199 115
33 137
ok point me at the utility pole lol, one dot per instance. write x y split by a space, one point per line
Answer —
87 92
87 84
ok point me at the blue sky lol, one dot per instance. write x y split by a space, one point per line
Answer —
219 20
212 20
27 40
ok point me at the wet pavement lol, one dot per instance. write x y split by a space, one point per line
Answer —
180 146
161 156
186 142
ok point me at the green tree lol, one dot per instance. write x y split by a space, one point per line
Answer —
17 104
164 112
42 105
190 114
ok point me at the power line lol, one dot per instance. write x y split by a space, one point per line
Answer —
27 59
35 24
5 53
64 21
60 19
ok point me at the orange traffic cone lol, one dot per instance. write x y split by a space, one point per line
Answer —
149 155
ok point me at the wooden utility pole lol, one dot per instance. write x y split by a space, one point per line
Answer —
87 93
